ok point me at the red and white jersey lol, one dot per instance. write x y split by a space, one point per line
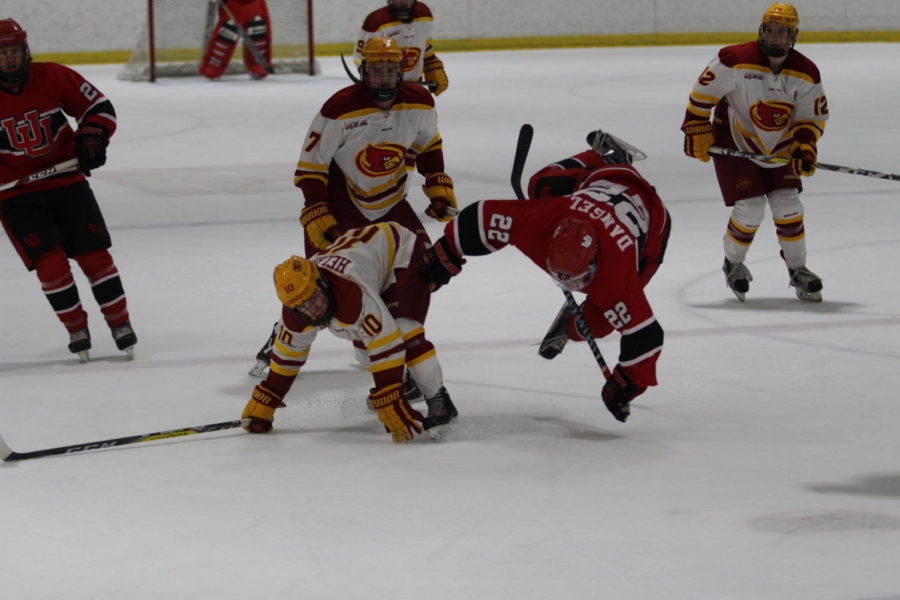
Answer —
359 267
34 129
627 216
414 38
765 110
353 139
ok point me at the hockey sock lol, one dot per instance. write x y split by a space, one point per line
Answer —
106 285
56 280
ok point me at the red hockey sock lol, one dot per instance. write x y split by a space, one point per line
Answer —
56 280
106 285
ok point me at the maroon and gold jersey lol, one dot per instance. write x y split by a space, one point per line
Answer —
630 224
765 111
34 129
414 38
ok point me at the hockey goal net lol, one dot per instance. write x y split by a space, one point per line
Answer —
175 33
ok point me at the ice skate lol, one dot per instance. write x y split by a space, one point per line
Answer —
806 284
411 391
80 344
737 278
440 412
125 338
557 336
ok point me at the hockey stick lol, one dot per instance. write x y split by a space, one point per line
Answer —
248 42
523 145
42 174
430 84
7 454
823 166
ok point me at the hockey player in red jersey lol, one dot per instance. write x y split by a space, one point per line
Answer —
409 23
595 226
363 288
52 219
767 98
239 20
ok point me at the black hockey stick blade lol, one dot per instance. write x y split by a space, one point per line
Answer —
7 454
523 145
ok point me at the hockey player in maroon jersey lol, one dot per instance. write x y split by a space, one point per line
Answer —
353 167
50 220
595 226
409 23
767 98
235 16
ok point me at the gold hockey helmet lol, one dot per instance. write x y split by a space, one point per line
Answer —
382 50
778 29
296 280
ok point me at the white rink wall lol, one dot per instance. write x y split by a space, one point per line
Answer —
60 26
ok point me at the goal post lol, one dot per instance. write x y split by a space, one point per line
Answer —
175 32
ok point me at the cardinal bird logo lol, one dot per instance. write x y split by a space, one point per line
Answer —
410 58
381 159
772 115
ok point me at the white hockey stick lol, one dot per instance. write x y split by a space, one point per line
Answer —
42 174
7 454
823 166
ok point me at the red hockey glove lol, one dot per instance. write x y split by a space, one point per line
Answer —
260 409
434 72
399 418
803 158
618 392
90 148
321 227
439 263
439 189
698 137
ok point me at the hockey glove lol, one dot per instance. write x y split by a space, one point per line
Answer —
439 263
435 74
439 189
618 392
260 410
698 137
90 148
320 226
399 418
803 158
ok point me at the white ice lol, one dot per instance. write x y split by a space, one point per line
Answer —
764 466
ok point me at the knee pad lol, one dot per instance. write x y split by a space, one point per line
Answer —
749 212
96 264
53 269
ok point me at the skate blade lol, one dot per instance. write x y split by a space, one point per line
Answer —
84 356
129 351
739 295
440 433
809 296
259 369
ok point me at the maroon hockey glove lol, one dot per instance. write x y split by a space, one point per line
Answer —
90 148
803 158
439 264
399 419
618 392
260 410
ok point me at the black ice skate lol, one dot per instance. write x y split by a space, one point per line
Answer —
440 412
557 336
806 284
80 344
264 356
125 339
737 278
411 391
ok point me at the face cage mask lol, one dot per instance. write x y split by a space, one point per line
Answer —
319 308
773 51
573 283
383 94
402 14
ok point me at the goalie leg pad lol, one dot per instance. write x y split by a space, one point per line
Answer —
224 38
258 31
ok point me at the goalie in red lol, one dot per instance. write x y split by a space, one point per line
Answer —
595 226
52 219
239 20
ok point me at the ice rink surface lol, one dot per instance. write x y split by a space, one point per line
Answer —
764 466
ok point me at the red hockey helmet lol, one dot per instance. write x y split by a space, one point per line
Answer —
12 34
572 254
